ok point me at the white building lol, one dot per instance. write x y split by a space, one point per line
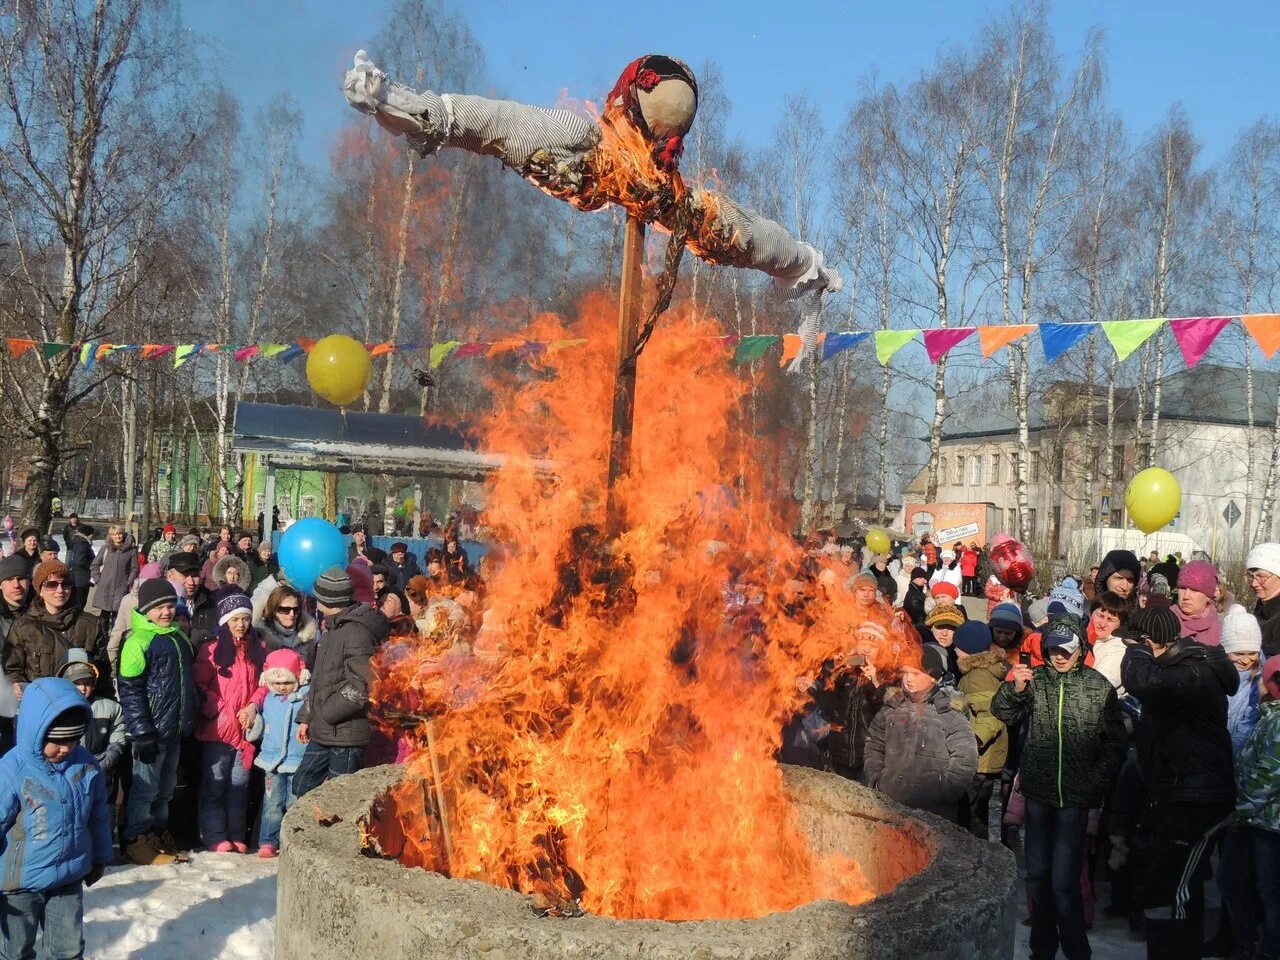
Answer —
1202 440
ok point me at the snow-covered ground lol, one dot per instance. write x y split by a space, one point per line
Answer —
217 907
223 907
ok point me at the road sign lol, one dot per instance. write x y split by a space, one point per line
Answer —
1231 513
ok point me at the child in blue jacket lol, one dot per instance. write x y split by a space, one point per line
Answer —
55 823
280 751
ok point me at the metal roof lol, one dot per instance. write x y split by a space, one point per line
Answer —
308 438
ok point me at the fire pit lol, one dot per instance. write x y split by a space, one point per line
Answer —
941 895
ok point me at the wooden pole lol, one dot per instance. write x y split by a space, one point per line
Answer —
630 300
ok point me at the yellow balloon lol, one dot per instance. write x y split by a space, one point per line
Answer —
1153 499
878 540
408 504
339 368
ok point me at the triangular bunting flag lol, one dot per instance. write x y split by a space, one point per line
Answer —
474 349
51 350
18 346
889 342
379 349
244 354
1265 330
87 355
291 353
555 345
273 349
1195 335
836 342
1057 338
938 341
791 344
1127 336
153 350
753 346
505 346
998 336
105 350
182 351
307 344
441 350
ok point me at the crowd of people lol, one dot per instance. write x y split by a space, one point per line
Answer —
181 695
1128 721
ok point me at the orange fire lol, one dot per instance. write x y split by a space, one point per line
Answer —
611 735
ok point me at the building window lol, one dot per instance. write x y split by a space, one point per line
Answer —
1013 465
1035 466
1117 461
1012 529
1144 456
943 478
162 500
1031 520
202 503
959 470
351 506
306 506
165 452
995 468
975 470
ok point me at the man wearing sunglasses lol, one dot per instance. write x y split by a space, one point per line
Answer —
39 640
1263 566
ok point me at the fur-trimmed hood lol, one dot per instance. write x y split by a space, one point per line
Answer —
993 661
231 560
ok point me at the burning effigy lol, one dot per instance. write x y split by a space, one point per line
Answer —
607 743
627 154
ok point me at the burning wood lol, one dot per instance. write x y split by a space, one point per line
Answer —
613 751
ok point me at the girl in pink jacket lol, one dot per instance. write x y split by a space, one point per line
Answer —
226 672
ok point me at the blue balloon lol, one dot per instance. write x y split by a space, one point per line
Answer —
308 548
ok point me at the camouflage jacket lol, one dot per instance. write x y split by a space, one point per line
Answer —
1258 772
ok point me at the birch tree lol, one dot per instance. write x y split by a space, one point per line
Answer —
92 133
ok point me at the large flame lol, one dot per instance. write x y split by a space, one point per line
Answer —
612 737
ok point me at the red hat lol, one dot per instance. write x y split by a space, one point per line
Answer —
945 588
169 528
1271 676
662 116
362 582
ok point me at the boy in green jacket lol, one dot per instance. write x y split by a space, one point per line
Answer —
1075 745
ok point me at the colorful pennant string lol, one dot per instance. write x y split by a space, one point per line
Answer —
938 341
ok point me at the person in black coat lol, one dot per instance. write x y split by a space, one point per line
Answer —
1184 754
402 565
913 602
886 582
79 543
361 547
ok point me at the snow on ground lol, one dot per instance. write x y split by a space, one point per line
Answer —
217 907
223 907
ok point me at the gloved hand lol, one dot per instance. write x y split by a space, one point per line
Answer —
146 748
95 874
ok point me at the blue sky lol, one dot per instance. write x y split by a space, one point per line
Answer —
1217 59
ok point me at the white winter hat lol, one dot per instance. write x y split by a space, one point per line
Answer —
1240 632
1264 556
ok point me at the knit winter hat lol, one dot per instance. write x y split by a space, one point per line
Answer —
945 588
78 669
1006 615
333 588
1240 632
944 617
933 660
47 569
1038 612
1066 598
49 545
283 666
168 529
232 601
190 540
972 637
1201 576
361 574
399 547
13 566
1063 633
152 593
870 630
863 579
1158 584
1159 624
1264 556
68 725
